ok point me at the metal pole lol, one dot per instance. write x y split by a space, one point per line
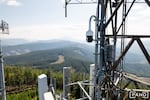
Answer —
91 87
101 58
96 51
4 27
2 78
66 81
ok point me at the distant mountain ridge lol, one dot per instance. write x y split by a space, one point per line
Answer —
41 45
12 42
80 56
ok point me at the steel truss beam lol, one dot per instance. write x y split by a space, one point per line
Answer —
133 78
148 2
137 38
105 70
128 36
143 50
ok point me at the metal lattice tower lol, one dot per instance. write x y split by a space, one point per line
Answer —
4 30
109 68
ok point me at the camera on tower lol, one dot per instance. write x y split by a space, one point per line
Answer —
89 35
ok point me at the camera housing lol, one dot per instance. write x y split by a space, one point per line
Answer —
89 36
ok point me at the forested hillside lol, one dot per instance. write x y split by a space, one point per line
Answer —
76 57
21 82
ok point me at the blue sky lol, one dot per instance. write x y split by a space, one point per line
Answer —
45 19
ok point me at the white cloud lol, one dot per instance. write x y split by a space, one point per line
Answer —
13 3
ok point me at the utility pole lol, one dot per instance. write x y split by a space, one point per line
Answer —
4 30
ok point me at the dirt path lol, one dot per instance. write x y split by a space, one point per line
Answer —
59 60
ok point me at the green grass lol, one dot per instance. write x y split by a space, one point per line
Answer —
26 95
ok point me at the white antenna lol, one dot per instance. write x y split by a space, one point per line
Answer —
4 30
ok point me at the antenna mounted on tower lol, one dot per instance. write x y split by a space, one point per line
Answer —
67 2
4 27
4 30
